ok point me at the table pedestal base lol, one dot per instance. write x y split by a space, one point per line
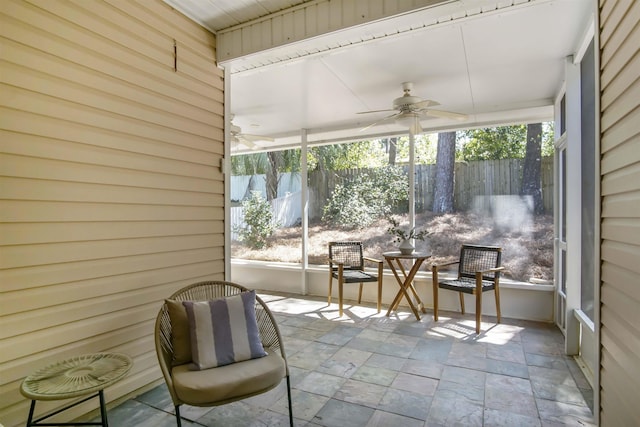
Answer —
406 281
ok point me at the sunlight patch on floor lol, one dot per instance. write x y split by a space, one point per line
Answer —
319 309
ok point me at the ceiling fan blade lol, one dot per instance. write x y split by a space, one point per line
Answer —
249 144
255 138
389 117
411 121
446 114
239 140
374 111
424 104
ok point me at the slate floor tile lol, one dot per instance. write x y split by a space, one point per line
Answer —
464 376
322 384
423 368
359 392
415 383
406 403
511 401
373 375
338 413
452 412
386 419
496 418
393 363
366 369
456 391
559 413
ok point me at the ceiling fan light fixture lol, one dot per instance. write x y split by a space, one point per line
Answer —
410 121
406 119
409 110
405 101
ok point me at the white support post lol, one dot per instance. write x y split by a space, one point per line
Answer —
225 165
412 180
574 207
304 192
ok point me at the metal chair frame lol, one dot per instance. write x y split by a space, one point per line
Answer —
209 290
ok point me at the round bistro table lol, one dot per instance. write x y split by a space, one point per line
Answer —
75 377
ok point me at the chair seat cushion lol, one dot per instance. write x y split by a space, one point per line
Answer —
356 276
225 383
465 285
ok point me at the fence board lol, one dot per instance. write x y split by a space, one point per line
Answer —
474 182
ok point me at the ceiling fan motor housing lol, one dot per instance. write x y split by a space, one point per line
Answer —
405 102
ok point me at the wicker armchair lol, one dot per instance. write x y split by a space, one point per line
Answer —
478 271
346 264
224 384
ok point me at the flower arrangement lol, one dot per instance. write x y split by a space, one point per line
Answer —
400 234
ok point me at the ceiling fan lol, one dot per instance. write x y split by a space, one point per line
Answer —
246 139
409 110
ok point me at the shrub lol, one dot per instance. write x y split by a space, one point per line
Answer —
370 195
259 223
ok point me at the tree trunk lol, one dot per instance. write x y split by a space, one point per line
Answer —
531 177
445 162
272 174
393 150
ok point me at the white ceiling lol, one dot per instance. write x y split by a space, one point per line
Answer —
503 65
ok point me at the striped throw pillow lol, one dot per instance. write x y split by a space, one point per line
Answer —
223 331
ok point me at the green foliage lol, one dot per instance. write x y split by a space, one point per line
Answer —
502 142
401 234
361 154
547 139
370 195
290 160
249 164
258 163
425 148
258 220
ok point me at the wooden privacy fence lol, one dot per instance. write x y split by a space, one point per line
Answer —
474 181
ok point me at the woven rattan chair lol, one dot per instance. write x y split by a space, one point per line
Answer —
224 384
346 264
478 271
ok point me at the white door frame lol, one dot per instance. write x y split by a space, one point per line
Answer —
581 332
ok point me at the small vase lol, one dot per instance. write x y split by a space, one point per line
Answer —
406 248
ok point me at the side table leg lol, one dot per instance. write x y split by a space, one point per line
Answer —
398 296
103 409
31 410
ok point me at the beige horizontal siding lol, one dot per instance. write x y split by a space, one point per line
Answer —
111 191
620 229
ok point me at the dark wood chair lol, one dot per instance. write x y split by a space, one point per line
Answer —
346 264
478 272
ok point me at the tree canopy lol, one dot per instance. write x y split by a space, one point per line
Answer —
501 142
359 154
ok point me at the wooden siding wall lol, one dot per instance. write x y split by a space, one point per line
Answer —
111 189
620 245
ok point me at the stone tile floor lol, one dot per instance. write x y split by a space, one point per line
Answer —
366 369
